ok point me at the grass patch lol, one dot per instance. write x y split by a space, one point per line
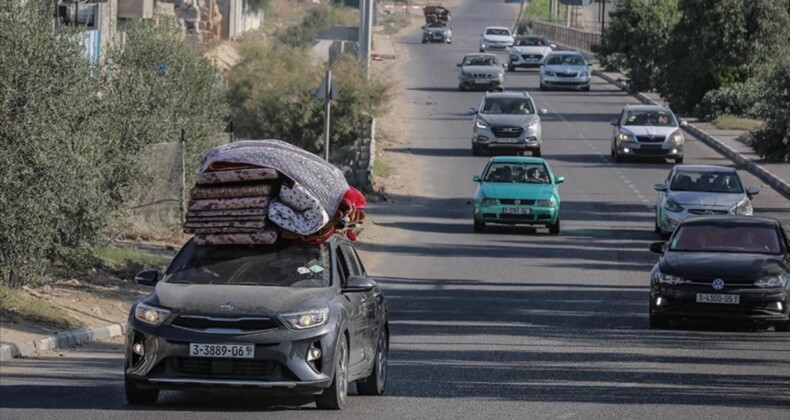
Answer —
17 306
394 22
731 122
382 169
126 262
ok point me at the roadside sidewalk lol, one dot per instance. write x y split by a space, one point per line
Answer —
40 342
729 143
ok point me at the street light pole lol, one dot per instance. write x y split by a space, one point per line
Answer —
327 110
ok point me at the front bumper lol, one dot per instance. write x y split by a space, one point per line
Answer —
436 37
279 362
484 138
665 149
495 46
475 83
525 61
496 214
756 305
580 82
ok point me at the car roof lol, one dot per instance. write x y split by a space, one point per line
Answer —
476 54
516 159
508 94
704 168
496 27
555 52
531 36
730 219
643 107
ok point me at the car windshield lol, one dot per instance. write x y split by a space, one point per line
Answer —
531 42
497 31
523 173
659 118
716 182
437 25
507 106
563 59
727 237
477 60
281 265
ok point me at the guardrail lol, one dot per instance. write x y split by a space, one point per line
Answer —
570 37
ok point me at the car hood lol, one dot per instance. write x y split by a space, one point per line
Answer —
696 198
649 130
531 49
482 69
522 191
498 38
509 119
565 68
724 265
245 300
437 30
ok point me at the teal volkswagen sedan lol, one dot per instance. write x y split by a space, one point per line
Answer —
517 191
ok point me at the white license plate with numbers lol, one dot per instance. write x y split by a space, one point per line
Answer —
231 351
516 210
506 140
717 298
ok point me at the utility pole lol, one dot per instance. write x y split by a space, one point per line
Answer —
603 15
568 15
327 110
366 8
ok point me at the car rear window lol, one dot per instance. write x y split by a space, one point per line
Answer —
715 182
727 237
282 265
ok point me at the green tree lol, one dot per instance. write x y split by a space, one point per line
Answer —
318 20
718 43
636 37
772 139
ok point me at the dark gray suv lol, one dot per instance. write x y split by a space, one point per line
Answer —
506 121
291 317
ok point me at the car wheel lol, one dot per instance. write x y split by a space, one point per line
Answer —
543 87
479 226
611 152
476 150
617 157
555 228
679 160
656 229
511 68
334 397
424 41
482 50
461 87
139 396
536 153
658 322
782 326
586 89
374 384
501 88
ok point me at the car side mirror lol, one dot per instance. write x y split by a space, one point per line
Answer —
147 278
543 111
613 122
472 111
752 191
423 27
458 65
684 123
657 247
476 178
356 284
504 66
559 180
660 187
553 46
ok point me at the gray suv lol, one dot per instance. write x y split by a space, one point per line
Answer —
506 121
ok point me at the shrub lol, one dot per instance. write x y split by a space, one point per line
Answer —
772 140
736 99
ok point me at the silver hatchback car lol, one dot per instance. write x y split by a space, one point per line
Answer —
700 190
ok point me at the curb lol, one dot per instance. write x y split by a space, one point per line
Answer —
64 339
775 182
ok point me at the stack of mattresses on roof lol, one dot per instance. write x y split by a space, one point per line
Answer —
255 191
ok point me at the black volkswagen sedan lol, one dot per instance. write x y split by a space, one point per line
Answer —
725 268
288 317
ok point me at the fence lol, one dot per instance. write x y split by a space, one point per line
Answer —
366 155
568 37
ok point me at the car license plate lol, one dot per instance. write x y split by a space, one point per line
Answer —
717 298
506 140
482 81
516 210
531 60
233 351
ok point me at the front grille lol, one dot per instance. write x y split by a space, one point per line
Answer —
707 212
650 139
507 131
567 74
528 56
522 202
482 75
230 368
206 322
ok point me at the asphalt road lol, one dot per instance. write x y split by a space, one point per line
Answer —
511 323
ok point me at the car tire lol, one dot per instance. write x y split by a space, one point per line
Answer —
139 396
375 383
611 152
656 229
543 87
536 153
782 326
511 68
617 157
482 50
479 226
334 397
424 41
554 229
658 322
679 160
461 87
476 150
586 89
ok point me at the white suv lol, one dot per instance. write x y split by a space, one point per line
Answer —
496 38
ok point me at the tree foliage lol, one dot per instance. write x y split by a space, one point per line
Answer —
772 139
636 39
318 20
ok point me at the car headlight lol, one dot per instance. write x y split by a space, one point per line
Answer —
532 126
513 57
481 124
307 319
500 76
150 315
584 73
489 201
673 206
778 281
545 203
662 278
676 137
743 208
549 73
625 137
